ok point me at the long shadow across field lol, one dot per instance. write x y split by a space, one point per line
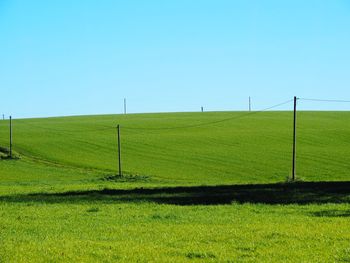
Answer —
280 193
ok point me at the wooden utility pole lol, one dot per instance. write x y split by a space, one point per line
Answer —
294 138
119 155
10 137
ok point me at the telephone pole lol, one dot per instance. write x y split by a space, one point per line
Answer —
294 138
119 155
10 137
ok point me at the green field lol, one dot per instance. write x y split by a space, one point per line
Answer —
196 187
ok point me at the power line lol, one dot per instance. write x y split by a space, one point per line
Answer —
212 122
156 128
325 100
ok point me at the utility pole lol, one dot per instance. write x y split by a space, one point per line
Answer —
10 137
119 156
124 105
294 138
250 104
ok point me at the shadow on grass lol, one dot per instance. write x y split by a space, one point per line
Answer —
6 155
280 193
332 213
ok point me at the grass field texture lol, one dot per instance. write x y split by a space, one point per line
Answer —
197 187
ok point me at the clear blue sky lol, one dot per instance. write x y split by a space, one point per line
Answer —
65 57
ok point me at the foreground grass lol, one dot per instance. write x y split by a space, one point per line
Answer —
240 223
144 232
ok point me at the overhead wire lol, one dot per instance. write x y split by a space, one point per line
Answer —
209 123
155 128
324 100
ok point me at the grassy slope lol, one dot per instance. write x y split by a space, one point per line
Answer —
78 153
253 149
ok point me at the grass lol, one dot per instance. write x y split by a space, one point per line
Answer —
212 193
